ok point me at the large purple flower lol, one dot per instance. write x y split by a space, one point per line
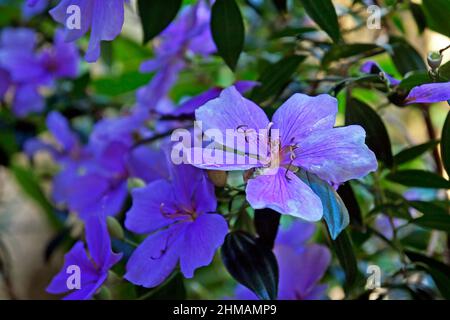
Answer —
179 216
306 140
93 269
301 265
190 33
103 17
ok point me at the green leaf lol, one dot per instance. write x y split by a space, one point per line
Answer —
348 50
435 221
156 15
445 144
377 138
414 79
419 178
428 208
419 16
275 77
436 13
227 28
324 14
252 264
334 211
444 71
347 195
405 57
414 152
124 83
29 184
344 251
438 271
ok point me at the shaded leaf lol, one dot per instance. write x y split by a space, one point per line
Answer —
405 57
156 15
340 51
266 225
377 138
251 264
436 13
419 178
275 77
445 144
419 16
412 153
344 250
347 195
324 14
227 28
334 211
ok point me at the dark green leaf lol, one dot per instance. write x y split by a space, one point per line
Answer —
419 178
414 152
419 16
348 50
275 77
251 263
292 32
324 14
334 211
438 271
171 289
266 225
227 28
281 5
428 208
156 15
435 221
344 250
377 138
414 79
116 86
444 71
436 13
445 144
347 195
405 57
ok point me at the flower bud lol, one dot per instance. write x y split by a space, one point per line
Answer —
434 59
114 228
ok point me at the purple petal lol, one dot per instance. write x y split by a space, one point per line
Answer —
201 240
59 14
336 155
429 93
146 215
20 39
301 114
27 100
155 258
296 235
87 291
371 67
147 163
286 193
60 128
5 81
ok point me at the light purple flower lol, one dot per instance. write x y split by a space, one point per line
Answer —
188 34
301 265
93 268
306 140
104 18
179 216
30 8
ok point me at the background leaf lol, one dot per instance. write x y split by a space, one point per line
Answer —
445 144
156 15
418 178
436 13
266 225
324 14
228 31
412 153
344 251
377 138
405 57
251 263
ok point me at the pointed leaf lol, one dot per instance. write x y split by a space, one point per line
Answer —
228 31
251 264
436 13
414 152
419 178
344 251
445 144
324 14
347 195
156 15
266 225
405 57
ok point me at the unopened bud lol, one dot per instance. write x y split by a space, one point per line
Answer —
114 228
434 59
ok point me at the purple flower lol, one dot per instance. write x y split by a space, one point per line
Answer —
306 140
301 265
371 67
189 33
29 70
178 215
30 8
93 269
104 18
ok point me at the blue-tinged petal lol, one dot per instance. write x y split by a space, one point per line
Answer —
429 93
60 128
149 203
301 115
284 192
336 155
59 14
27 100
201 240
155 258
296 235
